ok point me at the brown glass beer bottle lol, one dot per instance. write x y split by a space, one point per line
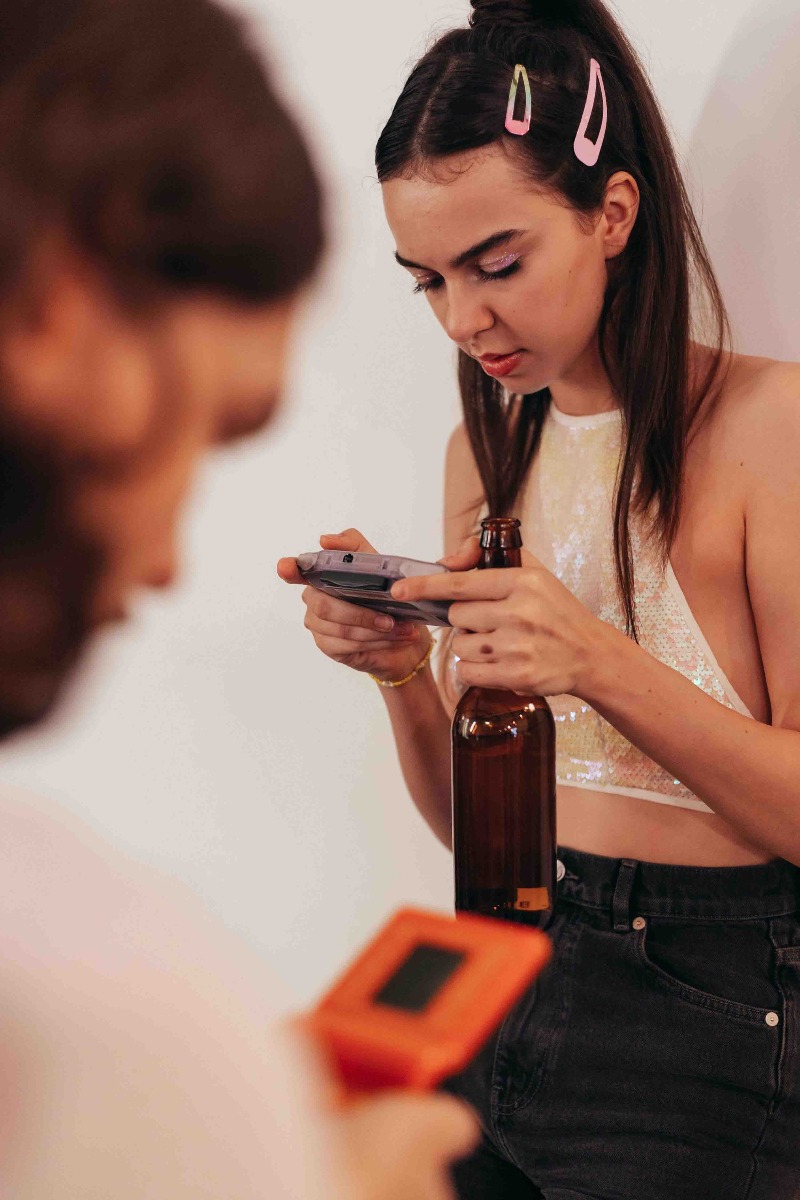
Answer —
504 785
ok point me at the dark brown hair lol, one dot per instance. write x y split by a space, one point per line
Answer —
149 130
149 133
455 100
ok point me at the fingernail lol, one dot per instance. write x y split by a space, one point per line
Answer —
384 623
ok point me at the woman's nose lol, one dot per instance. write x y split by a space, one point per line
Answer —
162 571
465 317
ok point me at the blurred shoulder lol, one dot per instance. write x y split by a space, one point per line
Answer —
129 1009
71 894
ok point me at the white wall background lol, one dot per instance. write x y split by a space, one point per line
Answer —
211 737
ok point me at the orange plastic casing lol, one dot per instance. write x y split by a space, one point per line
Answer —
372 1045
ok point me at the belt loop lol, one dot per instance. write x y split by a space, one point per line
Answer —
621 904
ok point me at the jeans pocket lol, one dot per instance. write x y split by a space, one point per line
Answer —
721 967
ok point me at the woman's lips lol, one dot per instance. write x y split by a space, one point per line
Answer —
501 364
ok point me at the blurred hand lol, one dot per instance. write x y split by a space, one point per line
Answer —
355 636
398 1146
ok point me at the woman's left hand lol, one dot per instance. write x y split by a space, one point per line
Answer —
517 627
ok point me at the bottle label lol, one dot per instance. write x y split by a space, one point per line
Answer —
532 899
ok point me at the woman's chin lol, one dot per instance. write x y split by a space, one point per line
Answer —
522 385
27 697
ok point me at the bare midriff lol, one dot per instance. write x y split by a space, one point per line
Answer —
629 827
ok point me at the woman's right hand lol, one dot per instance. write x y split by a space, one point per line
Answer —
356 636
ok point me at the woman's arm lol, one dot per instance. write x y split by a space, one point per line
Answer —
421 711
421 730
747 772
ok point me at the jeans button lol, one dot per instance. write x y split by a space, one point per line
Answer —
639 922
561 870
772 1018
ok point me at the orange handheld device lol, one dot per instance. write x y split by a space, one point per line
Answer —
422 998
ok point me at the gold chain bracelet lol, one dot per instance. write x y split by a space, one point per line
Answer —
417 669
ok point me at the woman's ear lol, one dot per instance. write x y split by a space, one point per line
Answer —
76 366
620 208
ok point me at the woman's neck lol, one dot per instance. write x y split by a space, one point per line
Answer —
585 389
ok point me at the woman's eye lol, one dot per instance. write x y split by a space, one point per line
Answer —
425 285
500 272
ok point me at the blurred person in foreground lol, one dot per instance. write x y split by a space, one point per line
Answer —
159 221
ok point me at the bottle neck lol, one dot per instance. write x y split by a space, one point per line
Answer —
499 556
501 546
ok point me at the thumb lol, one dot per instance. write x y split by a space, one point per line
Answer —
349 539
467 556
289 571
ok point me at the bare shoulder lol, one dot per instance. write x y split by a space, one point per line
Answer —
758 409
762 382
463 490
762 414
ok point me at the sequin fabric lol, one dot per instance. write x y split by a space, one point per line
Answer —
567 522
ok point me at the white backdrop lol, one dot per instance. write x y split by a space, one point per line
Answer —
211 737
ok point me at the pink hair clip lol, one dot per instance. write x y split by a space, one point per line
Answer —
519 127
589 152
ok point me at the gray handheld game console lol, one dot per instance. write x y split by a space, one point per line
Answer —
367 579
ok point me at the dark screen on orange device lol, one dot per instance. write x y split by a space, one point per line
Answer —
418 980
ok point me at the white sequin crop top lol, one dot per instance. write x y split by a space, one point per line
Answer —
567 523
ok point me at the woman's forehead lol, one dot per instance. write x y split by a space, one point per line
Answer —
442 214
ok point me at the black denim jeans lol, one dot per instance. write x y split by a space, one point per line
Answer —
658 1055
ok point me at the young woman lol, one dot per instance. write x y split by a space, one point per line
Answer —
534 196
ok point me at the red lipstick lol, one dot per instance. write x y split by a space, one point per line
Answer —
501 364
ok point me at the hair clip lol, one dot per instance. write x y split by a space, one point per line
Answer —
589 152
519 127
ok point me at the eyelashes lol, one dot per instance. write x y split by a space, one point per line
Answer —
483 276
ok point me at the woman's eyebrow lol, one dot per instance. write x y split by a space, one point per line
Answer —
489 243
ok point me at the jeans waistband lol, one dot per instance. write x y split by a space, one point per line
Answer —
625 887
